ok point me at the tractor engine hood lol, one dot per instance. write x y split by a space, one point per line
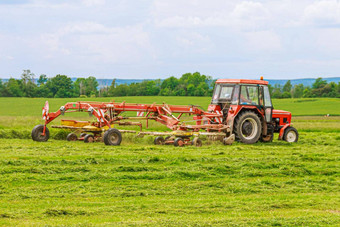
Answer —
281 113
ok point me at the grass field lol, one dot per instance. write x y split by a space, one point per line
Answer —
298 107
76 184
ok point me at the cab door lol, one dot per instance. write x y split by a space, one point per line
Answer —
267 103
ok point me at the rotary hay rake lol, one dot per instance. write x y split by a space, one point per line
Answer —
108 117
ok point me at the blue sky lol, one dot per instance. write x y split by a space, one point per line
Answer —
144 39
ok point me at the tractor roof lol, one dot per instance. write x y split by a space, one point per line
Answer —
240 81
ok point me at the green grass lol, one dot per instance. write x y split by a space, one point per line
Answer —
298 107
141 184
63 183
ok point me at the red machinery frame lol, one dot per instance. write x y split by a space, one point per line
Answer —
107 113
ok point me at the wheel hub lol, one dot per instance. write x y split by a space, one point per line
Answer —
113 138
291 136
247 128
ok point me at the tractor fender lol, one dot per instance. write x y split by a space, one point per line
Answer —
282 131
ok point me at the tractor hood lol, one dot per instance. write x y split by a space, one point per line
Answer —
283 116
281 112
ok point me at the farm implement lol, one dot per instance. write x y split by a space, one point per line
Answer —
240 109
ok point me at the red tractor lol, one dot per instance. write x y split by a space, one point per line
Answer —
240 109
247 108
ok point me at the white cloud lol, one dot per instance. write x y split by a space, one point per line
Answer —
324 13
99 43
250 11
263 41
93 2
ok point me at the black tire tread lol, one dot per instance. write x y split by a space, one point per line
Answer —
86 138
107 134
289 129
237 122
39 129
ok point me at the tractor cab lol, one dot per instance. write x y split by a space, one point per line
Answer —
232 93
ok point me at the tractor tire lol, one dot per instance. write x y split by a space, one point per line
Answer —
71 137
112 137
82 135
159 140
248 127
89 138
36 133
179 142
196 142
291 135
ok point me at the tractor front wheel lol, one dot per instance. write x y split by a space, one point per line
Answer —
291 135
248 127
37 132
112 137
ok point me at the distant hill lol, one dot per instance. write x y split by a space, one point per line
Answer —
305 81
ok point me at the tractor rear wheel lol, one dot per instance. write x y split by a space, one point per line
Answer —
291 135
71 137
159 140
248 127
89 138
37 133
112 137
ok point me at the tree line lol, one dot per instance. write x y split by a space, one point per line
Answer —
320 88
62 86
189 84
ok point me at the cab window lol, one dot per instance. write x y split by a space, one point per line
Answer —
234 100
226 92
267 100
216 92
249 95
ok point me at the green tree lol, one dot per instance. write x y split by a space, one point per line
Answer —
2 87
307 92
319 83
13 88
271 88
298 91
79 87
286 95
287 87
91 86
277 93
170 83
61 86
42 79
27 83
202 89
